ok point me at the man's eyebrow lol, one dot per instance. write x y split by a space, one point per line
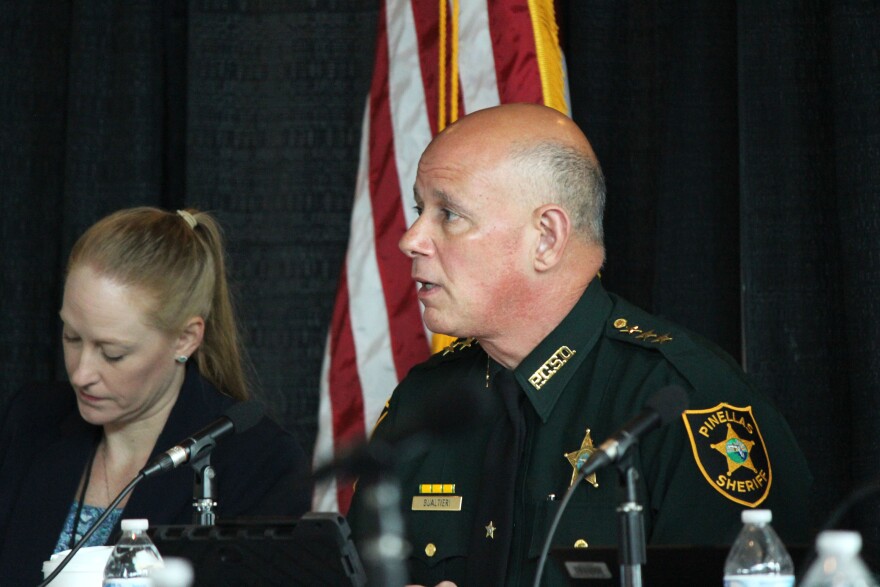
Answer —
441 195
444 197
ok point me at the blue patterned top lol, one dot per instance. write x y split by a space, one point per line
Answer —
87 517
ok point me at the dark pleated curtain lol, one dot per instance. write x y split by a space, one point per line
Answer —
810 205
855 95
118 100
740 144
740 140
276 96
32 150
792 287
655 90
85 107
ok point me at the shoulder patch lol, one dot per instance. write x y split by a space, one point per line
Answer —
643 334
730 452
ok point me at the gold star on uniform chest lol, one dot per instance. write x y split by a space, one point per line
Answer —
579 457
490 530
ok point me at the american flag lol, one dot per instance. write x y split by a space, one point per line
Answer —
435 62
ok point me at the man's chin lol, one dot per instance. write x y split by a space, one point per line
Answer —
439 326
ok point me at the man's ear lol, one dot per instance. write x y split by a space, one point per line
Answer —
554 227
190 337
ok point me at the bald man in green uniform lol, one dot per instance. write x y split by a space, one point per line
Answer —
506 251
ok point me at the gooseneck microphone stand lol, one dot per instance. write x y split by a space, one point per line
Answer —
631 528
203 501
204 491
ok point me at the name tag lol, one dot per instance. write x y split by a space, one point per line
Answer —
437 503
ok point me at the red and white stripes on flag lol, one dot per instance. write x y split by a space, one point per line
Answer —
436 60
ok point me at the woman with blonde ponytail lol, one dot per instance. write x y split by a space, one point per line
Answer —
152 352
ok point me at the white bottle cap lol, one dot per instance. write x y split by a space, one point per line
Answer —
756 516
134 524
842 542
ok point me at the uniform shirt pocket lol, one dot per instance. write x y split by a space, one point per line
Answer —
439 545
593 524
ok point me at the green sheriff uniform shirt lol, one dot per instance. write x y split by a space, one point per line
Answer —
731 449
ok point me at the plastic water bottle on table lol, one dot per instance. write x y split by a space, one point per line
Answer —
838 563
133 557
758 557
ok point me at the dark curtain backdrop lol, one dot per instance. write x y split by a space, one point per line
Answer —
740 141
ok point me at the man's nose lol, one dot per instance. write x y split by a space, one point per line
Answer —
416 240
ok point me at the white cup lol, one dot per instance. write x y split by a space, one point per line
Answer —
86 569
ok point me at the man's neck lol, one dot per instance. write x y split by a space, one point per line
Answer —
512 347
554 295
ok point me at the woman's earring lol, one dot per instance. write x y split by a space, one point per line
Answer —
181 359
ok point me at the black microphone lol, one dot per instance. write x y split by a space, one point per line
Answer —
661 408
238 418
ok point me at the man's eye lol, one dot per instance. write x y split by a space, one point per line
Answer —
418 210
449 214
113 359
69 338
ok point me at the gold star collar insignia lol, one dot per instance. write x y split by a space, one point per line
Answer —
490 530
458 344
624 327
578 457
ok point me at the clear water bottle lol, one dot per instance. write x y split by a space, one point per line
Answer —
133 557
758 558
838 563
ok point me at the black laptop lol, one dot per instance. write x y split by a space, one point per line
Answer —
313 550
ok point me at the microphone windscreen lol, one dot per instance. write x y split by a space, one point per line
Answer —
669 402
244 415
